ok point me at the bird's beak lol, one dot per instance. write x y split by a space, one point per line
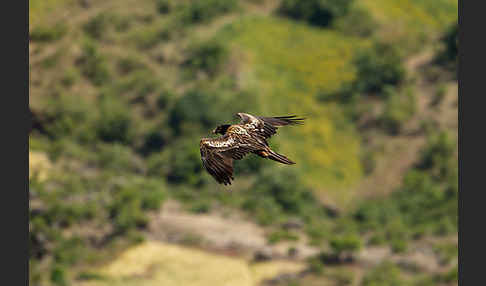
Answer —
214 131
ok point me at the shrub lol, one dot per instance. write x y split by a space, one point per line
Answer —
358 22
97 26
377 239
179 164
48 34
438 155
157 164
399 108
265 210
375 214
344 247
69 78
451 42
130 64
58 275
205 56
315 12
126 210
69 251
185 166
164 98
377 67
149 37
137 85
384 274
118 158
93 64
202 11
152 192
284 187
398 245
317 232
153 141
121 22
425 202
196 108
114 123
71 117
163 6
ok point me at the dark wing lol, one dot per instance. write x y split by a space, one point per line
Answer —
267 126
217 156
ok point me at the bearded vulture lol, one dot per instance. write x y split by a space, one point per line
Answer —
248 136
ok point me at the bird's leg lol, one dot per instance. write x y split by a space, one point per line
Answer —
263 154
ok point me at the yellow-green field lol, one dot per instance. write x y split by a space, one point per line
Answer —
411 22
287 64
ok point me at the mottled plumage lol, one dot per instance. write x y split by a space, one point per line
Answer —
249 136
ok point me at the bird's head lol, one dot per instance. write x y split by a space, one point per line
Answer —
221 129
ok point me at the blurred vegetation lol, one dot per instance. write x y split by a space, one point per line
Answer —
315 12
378 67
93 64
202 11
385 273
448 55
399 108
426 204
48 34
122 96
206 57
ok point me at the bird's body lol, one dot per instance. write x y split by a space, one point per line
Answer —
237 140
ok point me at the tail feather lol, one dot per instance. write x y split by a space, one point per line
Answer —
279 158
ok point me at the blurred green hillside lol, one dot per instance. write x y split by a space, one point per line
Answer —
122 91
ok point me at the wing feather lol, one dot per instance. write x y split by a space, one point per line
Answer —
266 127
217 156
283 120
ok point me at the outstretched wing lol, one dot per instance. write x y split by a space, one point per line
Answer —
217 156
267 126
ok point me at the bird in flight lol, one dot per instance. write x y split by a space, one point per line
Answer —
248 136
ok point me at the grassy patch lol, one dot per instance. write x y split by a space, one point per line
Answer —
39 9
409 23
45 33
